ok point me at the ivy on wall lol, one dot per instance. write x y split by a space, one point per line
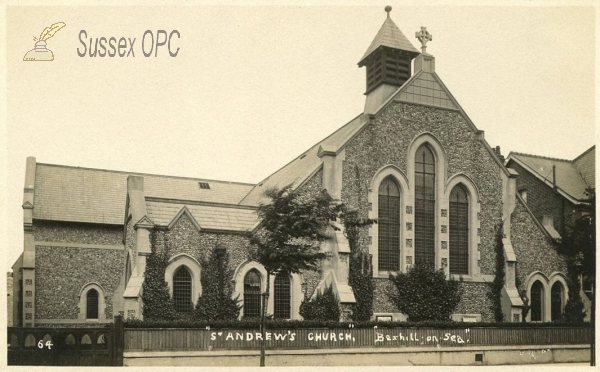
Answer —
360 274
523 294
361 281
216 302
578 247
157 302
498 283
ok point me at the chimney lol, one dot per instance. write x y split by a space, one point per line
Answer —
499 154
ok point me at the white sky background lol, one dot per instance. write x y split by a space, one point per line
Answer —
253 87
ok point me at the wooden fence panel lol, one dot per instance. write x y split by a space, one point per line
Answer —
97 346
322 338
60 346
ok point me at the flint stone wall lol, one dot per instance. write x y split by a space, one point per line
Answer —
386 141
61 273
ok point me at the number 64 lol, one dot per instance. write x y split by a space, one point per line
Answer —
41 344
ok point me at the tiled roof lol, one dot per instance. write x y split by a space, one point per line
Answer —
64 193
568 178
586 163
389 35
304 165
98 196
207 216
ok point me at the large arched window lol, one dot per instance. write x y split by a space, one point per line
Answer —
556 301
459 231
424 206
252 293
182 290
91 304
389 225
282 295
537 301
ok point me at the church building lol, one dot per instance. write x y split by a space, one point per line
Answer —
413 160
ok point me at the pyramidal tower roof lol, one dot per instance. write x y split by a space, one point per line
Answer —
390 36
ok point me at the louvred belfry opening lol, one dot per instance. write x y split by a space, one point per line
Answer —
388 58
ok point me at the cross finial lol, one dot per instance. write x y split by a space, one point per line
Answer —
388 9
424 36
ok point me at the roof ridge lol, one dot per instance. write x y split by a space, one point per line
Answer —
307 150
583 153
544 178
146 174
198 202
539 156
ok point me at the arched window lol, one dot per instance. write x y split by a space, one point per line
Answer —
537 301
389 225
282 295
182 290
285 291
182 275
459 231
91 304
424 206
252 293
556 301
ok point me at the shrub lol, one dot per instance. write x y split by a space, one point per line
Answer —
425 294
323 308
574 310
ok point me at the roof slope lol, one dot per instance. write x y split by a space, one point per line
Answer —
208 216
74 194
389 35
298 170
586 164
568 177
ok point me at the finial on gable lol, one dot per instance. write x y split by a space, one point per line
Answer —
424 36
388 9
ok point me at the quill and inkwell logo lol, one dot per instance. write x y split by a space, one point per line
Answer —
40 52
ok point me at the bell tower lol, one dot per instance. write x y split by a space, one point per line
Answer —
388 61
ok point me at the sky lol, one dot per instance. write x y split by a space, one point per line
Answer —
254 86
